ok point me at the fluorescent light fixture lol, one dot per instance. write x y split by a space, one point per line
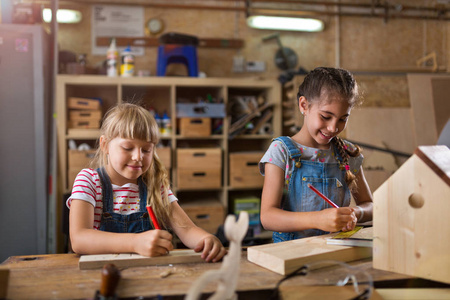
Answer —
62 15
285 23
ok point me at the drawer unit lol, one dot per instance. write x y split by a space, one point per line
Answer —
83 115
208 215
244 171
79 159
199 158
199 168
165 155
84 124
195 127
199 179
83 103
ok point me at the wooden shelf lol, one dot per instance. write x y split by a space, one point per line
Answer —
163 94
83 134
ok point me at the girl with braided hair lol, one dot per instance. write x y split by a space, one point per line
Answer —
317 156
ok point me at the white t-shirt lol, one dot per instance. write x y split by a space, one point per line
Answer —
87 187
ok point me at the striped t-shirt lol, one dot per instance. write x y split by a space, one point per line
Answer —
87 187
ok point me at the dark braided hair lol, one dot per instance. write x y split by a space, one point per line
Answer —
341 83
345 152
335 81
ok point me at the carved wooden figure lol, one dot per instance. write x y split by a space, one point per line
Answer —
228 273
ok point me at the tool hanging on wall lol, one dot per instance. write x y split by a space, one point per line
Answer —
285 58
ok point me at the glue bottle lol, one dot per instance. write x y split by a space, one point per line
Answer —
127 67
112 55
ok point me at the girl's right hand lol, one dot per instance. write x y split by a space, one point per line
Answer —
335 219
153 243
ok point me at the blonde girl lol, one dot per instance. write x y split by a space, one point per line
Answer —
317 156
108 202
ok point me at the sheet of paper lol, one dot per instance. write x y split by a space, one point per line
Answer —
116 21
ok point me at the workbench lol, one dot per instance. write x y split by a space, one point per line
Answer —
57 276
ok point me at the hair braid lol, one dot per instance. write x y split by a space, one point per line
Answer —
350 178
160 203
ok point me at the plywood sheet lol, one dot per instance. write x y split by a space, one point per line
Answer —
135 260
286 257
429 102
382 127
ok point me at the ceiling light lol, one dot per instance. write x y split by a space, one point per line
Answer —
285 23
62 16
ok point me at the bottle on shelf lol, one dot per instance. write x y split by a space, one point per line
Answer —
166 128
158 120
112 56
127 66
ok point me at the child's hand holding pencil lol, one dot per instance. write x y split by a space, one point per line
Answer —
343 218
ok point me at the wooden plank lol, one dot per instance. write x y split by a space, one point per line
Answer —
4 278
411 224
154 42
414 293
322 292
134 260
286 257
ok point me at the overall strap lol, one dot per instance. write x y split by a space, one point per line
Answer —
293 151
142 194
107 191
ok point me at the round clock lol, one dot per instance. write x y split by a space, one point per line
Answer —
154 26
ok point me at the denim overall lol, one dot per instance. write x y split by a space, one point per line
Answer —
328 178
114 222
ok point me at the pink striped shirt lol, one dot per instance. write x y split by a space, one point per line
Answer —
87 187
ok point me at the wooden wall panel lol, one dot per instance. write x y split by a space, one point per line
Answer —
359 44
430 107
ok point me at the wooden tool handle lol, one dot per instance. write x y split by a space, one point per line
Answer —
110 280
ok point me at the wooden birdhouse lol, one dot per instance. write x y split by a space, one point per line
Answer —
411 217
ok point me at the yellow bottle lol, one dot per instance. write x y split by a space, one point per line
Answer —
127 66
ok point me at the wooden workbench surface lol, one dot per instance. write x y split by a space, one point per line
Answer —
57 276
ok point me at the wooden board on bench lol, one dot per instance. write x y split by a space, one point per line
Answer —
135 260
286 257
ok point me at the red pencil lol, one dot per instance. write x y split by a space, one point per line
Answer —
153 217
323 196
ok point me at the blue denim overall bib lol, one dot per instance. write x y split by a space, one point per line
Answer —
114 222
328 178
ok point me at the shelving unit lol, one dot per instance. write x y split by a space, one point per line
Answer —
163 94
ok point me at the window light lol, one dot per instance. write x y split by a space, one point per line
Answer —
285 23
62 16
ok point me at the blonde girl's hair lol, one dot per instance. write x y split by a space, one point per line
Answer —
132 121
342 85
